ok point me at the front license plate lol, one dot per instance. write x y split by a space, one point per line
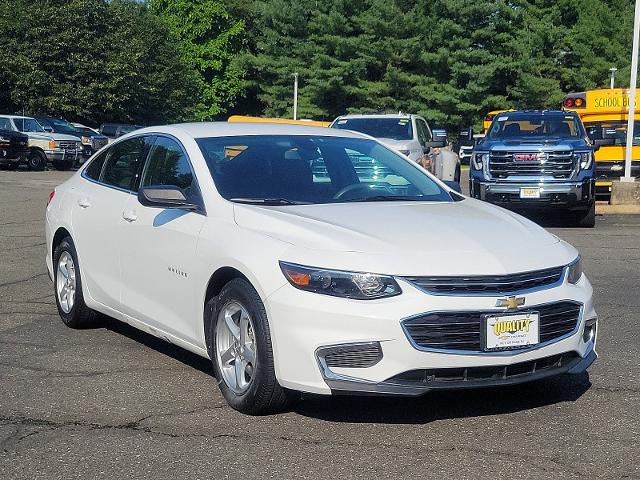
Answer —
512 331
530 192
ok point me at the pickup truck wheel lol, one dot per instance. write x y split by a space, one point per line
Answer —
36 161
68 287
62 164
587 218
241 351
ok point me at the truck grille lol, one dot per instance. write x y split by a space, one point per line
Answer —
558 164
68 145
488 284
98 143
462 330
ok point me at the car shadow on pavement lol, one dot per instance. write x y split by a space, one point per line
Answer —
190 359
446 404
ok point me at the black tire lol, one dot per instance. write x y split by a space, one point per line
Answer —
586 218
63 164
36 161
264 394
79 316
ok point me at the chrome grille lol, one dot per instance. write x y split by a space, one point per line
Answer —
558 164
351 356
68 145
462 330
489 284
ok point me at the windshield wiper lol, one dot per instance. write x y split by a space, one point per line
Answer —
386 198
268 201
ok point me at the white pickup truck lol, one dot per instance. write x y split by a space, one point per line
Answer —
410 135
60 149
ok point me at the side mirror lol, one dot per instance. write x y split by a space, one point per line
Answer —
164 196
48 129
453 185
436 144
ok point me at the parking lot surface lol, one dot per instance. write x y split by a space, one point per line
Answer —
112 402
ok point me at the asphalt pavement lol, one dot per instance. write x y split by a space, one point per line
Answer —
112 402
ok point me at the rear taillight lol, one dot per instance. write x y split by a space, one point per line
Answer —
488 118
576 100
51 195
568 102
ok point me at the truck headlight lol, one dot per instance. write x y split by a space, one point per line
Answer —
356 285
574 271
86 140
585 159
479 159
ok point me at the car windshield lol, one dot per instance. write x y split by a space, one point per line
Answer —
301 169
28 125
62 126
395 128
615 131
534 126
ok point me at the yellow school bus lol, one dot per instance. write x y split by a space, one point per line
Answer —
605 114
488 118
247 119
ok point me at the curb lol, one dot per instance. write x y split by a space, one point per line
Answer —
606 209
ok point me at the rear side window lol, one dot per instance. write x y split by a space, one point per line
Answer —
95 167
123 164
168 165
5 124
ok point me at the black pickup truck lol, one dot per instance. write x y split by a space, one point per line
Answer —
14 148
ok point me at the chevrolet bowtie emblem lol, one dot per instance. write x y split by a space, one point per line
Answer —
510 302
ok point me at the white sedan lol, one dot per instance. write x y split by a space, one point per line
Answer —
303 259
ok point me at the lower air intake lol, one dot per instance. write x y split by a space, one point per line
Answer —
360 355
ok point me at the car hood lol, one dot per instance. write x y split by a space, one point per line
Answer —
527 144
409 238
396 144
51 136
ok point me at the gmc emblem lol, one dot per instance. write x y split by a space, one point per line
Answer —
529 157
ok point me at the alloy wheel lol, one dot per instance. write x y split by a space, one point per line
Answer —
66 282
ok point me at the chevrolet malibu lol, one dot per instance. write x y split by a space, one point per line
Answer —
302 259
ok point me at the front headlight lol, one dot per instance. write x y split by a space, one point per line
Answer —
585 159
356 285
479 159
574 271
86 140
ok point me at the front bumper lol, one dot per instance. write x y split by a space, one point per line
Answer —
59 155
304 326
567 195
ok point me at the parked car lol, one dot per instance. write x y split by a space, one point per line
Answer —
14 148
409 135
62 150
91 141
536 160
116 130
290 281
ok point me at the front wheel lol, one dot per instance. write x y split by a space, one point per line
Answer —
36 161
586 218
242 354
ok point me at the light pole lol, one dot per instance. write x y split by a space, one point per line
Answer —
632 96
613 71
295 96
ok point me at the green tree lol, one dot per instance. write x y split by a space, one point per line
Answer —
210 39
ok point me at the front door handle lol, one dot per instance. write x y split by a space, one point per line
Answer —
84 203
129 216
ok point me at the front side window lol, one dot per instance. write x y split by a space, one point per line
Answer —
535 125
615 130
28 125
313 169
423 131
5 124
168 165
123 164
395 128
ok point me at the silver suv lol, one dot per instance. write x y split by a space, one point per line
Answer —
410 135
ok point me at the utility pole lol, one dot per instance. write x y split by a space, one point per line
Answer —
632 96
295 96
613 71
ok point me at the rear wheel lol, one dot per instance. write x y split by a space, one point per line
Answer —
586 218
242 355
68 287
36 160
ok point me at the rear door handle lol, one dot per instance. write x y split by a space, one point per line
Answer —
129 216
84 203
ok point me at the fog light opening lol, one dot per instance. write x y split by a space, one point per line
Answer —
589 333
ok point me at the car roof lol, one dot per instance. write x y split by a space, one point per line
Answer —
537 112
377 115
225 129
15 116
